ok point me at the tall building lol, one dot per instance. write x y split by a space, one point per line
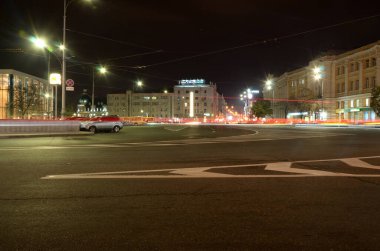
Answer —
330 87
23 96
195 98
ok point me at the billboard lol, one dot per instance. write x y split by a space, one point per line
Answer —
192 82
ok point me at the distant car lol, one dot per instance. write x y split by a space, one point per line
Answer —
104 123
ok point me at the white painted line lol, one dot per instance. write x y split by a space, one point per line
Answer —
286 167
203 172
359 163
175 128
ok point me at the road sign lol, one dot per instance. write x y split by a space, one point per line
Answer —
69 83
69 88
55 78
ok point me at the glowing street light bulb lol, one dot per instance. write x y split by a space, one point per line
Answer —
102 70
317 70
39 42
62 47
139 83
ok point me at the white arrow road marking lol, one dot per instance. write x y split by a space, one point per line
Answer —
203 172
286 167
359 163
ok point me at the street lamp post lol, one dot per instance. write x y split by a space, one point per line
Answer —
246 97
63 48
41 43
269 84
102 70
318 74
63 108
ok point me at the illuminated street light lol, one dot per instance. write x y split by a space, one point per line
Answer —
246 97
102 70
39 42
139 83
318 75
270 86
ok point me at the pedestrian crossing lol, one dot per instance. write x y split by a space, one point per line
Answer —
344 167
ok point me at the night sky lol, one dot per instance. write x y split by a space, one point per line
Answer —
181 39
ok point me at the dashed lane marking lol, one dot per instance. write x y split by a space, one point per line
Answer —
285 168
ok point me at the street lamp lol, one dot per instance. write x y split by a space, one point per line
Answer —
102 70
63 48
270 86
47 96
139 84
318 74
42 44
246 97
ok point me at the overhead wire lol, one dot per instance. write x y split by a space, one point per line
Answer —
276 39
111 40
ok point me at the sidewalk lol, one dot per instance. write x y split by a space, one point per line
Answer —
43 134
339 126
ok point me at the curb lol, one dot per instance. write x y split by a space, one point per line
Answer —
35 135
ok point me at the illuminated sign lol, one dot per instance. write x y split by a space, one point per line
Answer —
192 82
55 79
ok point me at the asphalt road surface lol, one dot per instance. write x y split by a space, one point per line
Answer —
193 188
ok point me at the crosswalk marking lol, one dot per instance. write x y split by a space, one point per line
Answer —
204 172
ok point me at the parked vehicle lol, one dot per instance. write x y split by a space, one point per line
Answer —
104 123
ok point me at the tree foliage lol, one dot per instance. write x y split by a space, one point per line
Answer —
375 100
261 108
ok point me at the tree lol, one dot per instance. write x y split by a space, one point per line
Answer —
261 108
375 100
27 99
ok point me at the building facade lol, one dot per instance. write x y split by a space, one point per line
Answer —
330 87
23 96
85 108
131 104
196 99
190 99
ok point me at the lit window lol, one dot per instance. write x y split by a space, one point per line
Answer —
367 102
352 103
